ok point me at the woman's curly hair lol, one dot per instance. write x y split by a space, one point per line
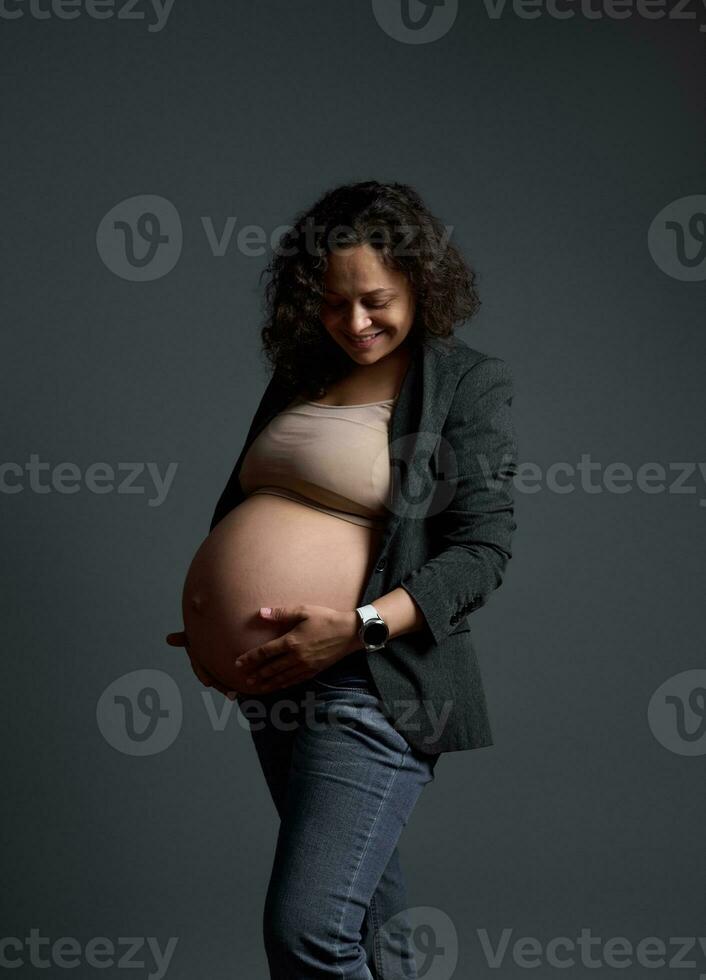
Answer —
391 218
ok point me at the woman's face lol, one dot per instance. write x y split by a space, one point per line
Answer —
363 298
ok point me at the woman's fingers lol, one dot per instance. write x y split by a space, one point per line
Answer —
209 681
177 639
202 674
180 639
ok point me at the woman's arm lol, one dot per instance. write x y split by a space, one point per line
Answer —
397 608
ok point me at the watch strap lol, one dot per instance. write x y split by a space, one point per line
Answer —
367 612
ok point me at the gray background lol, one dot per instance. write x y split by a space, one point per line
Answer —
550 146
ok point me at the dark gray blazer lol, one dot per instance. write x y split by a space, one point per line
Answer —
447 538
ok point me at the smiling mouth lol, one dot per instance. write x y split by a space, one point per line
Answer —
368 336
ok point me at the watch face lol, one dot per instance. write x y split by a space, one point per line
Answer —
375 633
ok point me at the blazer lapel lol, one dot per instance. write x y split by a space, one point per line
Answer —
415 424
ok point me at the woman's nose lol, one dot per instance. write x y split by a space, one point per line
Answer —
359 320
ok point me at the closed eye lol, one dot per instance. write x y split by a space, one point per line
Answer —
371 306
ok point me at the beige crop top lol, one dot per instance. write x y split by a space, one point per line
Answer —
334 458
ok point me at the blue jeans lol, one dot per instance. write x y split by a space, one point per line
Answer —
344 783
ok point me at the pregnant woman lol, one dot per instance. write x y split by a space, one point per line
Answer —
369 511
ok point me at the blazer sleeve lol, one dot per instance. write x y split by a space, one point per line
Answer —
476 528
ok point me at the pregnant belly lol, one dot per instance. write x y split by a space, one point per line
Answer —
269 551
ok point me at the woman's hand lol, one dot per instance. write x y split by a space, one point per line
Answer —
320 638
181 640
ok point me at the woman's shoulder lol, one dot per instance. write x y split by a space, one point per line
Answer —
456 347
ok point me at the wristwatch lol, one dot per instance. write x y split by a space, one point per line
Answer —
373 631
